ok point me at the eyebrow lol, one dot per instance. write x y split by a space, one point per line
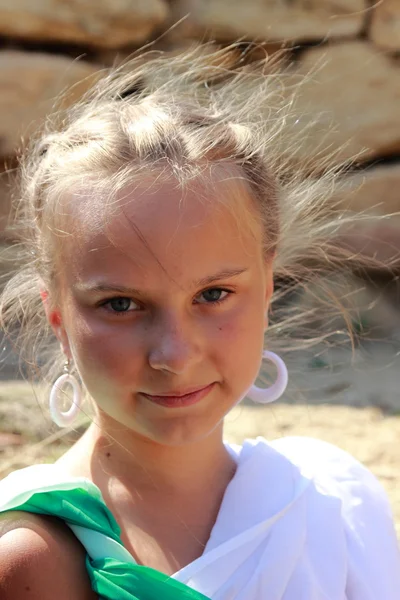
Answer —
111 287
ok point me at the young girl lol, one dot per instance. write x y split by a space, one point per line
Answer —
155 214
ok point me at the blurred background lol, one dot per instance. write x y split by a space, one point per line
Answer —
346 391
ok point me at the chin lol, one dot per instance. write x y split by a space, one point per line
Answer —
182 432
168 428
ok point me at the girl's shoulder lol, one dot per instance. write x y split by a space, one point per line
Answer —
330 468
40 558
39 554
334 472
315 471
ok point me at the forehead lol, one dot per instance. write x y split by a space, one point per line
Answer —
162 228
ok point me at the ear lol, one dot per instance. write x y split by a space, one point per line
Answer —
54 318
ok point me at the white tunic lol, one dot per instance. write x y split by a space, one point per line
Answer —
300 520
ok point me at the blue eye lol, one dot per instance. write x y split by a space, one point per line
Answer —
119 304
214 295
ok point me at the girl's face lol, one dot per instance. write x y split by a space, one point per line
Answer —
171 298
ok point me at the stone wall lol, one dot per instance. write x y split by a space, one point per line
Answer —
352 47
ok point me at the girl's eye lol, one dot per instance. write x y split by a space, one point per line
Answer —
123 304
120 304
213 296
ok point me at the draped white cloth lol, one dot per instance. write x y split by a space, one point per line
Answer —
300 520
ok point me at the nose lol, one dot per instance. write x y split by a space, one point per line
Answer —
176 346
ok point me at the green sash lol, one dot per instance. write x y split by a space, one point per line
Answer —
111 579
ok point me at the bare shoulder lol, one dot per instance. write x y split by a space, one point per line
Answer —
40 559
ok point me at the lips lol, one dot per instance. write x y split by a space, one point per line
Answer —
178 393
180 398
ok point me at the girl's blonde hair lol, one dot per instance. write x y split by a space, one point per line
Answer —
182 114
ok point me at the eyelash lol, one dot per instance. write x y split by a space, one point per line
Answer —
106 303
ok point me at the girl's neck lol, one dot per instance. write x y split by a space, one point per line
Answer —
145 467
165 499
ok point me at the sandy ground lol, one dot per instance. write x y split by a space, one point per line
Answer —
349 399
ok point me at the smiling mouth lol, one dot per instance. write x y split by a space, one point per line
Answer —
178 399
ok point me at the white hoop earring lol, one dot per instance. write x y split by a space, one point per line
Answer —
60 418
275 391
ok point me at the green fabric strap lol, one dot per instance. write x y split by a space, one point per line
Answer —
75 506
111 579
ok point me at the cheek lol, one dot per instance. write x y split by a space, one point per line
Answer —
246 321
104 350
240 344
